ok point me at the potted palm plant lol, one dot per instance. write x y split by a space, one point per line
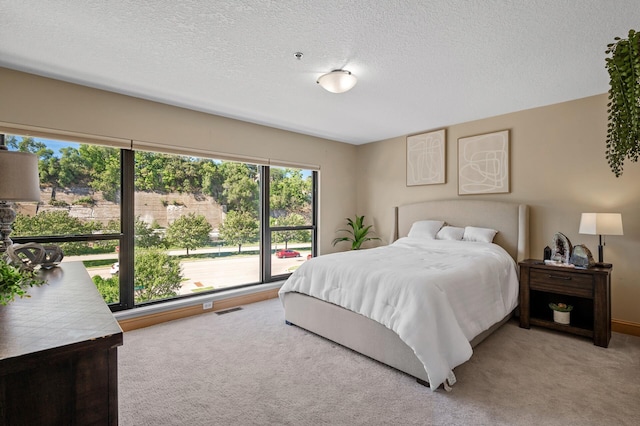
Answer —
358 233
561 312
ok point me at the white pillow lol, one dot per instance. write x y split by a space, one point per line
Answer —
483 235
450 233
425 229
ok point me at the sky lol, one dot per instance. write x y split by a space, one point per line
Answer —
55 146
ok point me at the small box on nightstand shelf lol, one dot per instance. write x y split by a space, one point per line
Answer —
587 290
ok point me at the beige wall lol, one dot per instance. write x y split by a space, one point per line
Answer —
558 167
557 163
35 101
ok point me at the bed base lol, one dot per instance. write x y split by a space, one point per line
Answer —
374 340
360 333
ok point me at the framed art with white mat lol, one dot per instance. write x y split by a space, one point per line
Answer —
426 158
483 164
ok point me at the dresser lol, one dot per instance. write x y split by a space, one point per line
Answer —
58 354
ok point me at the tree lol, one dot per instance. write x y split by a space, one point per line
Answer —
156 275
55 222
28 144
170 173
239 228
149 166
109 288
180 174
293 219
240 187
189 231
212 178
146 235
103 168
72 168
290 191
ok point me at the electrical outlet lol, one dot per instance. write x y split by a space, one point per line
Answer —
207 305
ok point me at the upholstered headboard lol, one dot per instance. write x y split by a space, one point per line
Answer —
510 219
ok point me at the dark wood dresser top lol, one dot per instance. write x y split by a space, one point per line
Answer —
63 315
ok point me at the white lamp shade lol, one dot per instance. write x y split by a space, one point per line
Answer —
19 179
337 81
601 224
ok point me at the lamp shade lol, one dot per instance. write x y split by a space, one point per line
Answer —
19 179
337 81
601 224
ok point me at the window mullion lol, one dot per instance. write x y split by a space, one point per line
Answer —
314 213
128 229
265 230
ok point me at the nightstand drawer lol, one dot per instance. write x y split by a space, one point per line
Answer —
562 282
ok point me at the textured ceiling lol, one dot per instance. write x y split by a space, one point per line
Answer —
420 65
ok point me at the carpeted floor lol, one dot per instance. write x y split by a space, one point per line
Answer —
249 368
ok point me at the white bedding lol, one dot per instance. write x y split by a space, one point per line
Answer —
436 295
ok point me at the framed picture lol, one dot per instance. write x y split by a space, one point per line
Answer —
483 164
426 158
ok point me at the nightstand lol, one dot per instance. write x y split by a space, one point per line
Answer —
588 290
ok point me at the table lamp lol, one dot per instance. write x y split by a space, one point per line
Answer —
19 181
601 224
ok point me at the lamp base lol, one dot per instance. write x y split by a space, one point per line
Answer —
603 265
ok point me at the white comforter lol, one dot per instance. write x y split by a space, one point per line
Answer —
436 295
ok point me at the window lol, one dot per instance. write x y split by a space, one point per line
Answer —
79 207
200 219
291 230
153 226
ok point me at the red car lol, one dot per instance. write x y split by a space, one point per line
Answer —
281 254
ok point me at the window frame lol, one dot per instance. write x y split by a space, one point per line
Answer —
267 229
126 236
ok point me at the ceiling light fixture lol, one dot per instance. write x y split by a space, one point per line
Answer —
337 81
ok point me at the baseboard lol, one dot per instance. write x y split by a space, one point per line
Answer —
625 327
619 326
187 311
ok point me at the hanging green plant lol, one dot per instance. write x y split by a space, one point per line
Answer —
623 132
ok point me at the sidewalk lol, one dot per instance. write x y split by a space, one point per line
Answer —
178 252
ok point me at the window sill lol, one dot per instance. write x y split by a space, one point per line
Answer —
132 319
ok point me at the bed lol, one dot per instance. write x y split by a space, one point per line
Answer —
424 341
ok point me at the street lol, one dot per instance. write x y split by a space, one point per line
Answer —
209 274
